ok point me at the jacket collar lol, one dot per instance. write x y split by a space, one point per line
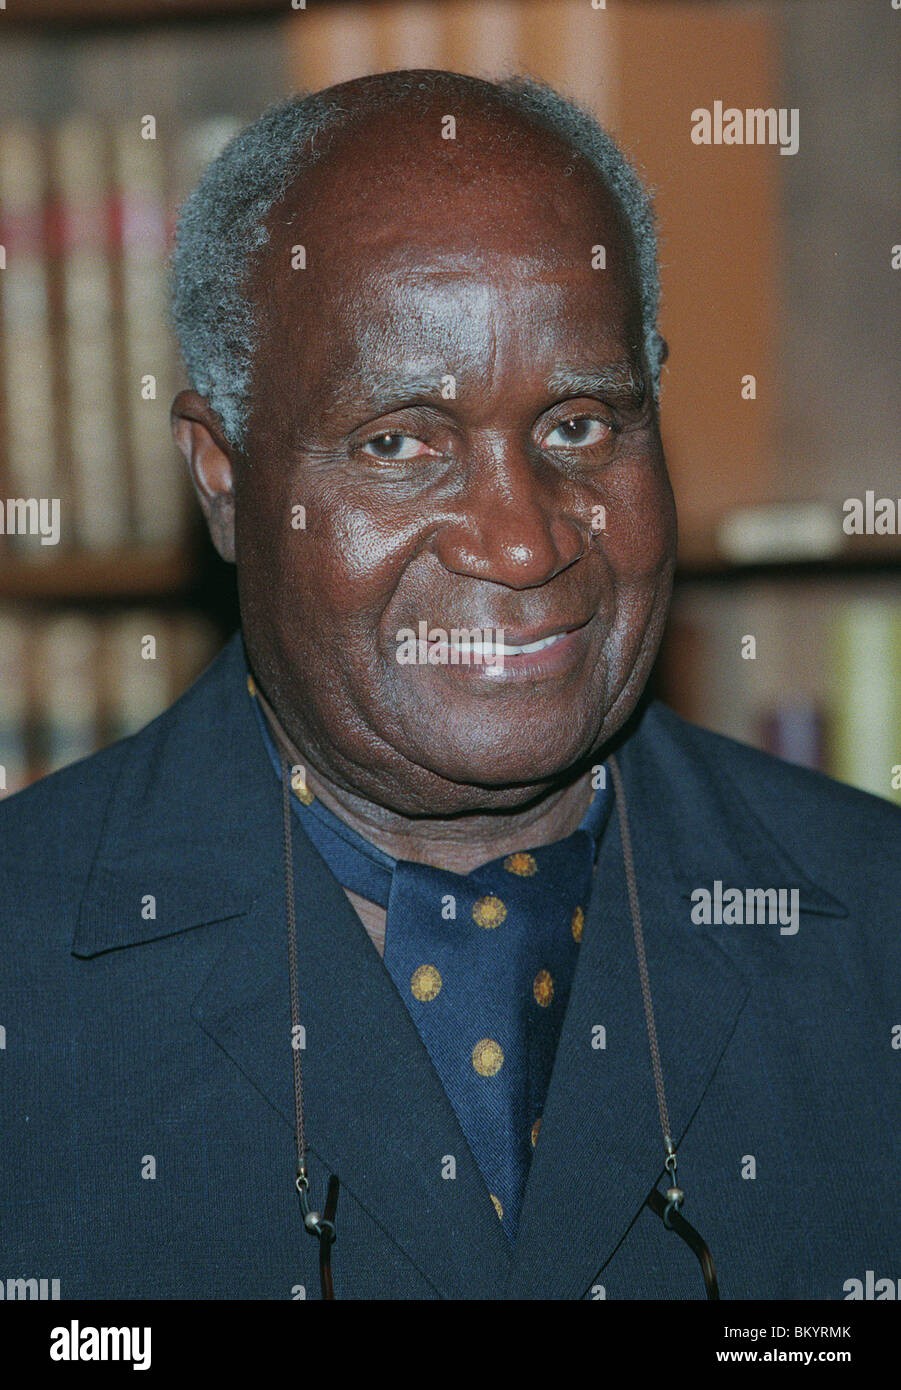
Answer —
195 819
712 831
180 798
189 774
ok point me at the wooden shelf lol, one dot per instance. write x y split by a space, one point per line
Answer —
47 12
700 559
171 572
117 574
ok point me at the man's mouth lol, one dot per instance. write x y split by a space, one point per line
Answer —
495 652
486 647
501 653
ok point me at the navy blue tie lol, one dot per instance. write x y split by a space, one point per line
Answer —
484 962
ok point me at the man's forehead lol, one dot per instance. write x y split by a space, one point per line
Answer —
533 298
413 285
433 265
524 323
381 388
454 223
464 315
390 179
420 265
425 281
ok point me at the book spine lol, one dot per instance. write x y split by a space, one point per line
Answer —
159 486
138 658
865 677
66 693
794 732
14 765
30 465
86 236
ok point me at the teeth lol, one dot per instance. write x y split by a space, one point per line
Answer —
503 649
532 646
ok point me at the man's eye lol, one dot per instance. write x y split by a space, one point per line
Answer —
392 446
578 432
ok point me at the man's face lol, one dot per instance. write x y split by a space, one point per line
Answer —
448 389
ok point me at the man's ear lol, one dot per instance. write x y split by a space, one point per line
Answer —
198 433
664 351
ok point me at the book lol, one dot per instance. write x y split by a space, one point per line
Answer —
864 677
30 468
137 662
14 761
159 492
97 448
66 697
795 732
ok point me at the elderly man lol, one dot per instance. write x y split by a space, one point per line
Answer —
412 954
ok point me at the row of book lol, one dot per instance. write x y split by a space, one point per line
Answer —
88 361
71 683
819 685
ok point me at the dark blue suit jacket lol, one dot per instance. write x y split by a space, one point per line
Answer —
138 1044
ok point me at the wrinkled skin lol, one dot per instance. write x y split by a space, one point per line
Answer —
425 258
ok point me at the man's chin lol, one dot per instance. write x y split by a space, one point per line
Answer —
510 742
494 769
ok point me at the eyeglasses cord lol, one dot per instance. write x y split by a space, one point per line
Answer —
668 1207
322 1226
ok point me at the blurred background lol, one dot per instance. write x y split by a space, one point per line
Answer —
780 304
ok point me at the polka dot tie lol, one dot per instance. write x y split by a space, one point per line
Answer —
483 962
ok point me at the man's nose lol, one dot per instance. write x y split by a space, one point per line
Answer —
510 525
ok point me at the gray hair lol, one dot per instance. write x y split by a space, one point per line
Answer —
221 226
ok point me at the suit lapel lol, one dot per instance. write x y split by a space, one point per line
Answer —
600 1149
375 1111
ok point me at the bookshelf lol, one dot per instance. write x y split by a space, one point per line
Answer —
35 13
759 283
124 573
173 572
701 560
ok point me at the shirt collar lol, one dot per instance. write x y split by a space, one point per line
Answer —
324 827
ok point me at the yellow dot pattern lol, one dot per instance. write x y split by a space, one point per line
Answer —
497 1207
523 865
425 983
487 1057
543 988
577 924
536 1130
488 912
